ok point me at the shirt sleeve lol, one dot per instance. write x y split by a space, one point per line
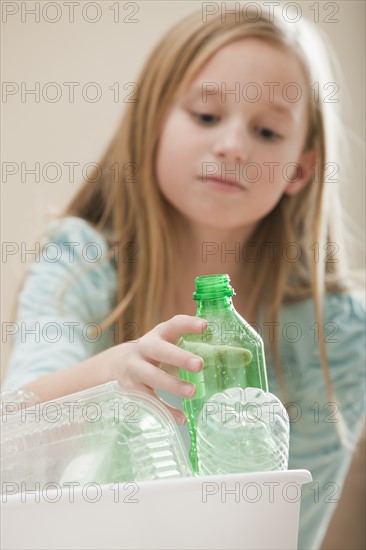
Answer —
314 439
66 294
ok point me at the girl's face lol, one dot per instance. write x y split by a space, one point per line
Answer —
242 119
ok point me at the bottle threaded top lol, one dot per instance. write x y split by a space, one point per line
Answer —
211 287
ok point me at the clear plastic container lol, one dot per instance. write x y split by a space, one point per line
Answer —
102 435
13 401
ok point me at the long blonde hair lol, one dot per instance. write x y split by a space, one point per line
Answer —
127 203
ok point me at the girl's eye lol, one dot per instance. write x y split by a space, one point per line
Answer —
208 119
205 118
268 134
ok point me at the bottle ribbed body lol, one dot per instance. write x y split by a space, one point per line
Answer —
232 351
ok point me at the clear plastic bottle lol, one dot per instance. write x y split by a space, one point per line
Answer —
242 430
232 351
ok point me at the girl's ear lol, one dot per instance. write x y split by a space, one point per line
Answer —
302 172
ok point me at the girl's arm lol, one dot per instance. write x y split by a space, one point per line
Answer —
54 352
68 380
135 365
60 303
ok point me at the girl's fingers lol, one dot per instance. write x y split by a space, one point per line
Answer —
178 325
157 378
171 354
159 346
178 415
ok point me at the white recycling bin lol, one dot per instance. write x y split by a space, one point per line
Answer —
246 511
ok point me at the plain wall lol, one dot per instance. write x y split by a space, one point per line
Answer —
109 52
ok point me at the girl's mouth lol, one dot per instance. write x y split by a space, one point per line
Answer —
226 184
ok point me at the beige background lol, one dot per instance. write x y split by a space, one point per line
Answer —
109 52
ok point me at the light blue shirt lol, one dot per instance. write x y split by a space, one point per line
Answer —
71 290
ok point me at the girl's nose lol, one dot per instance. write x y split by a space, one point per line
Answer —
232 143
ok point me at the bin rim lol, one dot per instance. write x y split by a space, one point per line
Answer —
181 484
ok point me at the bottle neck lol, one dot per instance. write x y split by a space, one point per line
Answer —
214 305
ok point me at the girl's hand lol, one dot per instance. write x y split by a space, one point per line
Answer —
136 365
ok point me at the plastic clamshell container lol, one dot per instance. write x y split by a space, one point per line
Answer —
102 435
257 511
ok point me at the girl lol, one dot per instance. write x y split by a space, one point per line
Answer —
219 166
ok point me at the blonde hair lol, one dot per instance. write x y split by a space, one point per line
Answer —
133 210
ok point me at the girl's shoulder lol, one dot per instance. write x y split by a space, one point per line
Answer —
74 261
337 307
78 241
73 227
344 305
342 329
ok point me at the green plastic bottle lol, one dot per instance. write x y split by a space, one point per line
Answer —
232 351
